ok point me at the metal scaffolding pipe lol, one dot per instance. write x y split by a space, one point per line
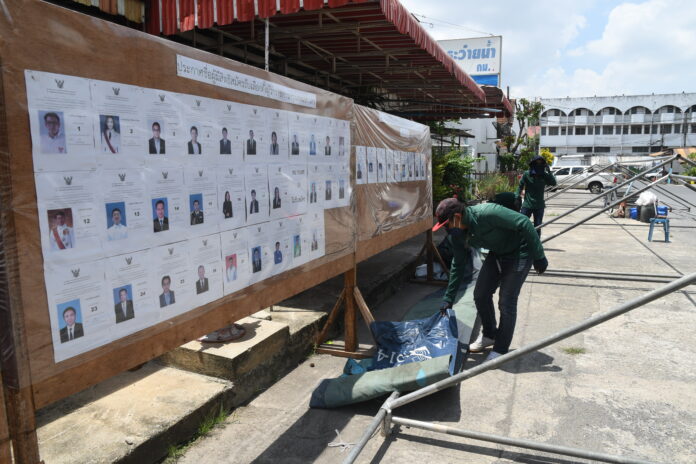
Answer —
367 434
605 277
573 271
544 342
688 205
609 206
640 175
518 442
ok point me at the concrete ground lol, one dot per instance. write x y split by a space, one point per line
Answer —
625 387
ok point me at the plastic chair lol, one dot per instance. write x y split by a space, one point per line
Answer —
659 219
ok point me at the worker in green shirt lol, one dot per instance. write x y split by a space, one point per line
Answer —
534 182
514 247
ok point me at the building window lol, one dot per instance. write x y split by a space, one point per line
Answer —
543 130
584 149
670 109
653 129
646 129
608 130
601 149
589 130
580 130
636 129
553 130
677 129
693 128
564 130
625 129
666 129
597 130
641 150
551 149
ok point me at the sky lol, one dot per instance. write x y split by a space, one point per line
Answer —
577 48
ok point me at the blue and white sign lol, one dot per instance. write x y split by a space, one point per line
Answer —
479 57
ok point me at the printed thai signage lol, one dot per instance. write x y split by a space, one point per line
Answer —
480 57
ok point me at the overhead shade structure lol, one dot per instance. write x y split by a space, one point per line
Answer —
375 52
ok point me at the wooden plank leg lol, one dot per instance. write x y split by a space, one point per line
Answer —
333 315
437 254
429 255
21 419
365 311
5 452
350 317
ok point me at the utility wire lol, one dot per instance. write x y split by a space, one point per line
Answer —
452 25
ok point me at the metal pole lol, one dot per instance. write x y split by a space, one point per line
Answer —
669 194
374 425
640 175
683 177
609 206
604 277
663 276
576 183
520 443
266 46
544 342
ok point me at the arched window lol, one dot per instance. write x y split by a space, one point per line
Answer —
609 111
638 110
581 112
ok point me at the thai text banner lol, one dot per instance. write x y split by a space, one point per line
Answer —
476 56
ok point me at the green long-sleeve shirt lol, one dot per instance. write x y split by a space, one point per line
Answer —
506 233
534 189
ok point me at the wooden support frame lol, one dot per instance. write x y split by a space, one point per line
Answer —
352 298
431 251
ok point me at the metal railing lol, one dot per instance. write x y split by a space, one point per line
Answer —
384 417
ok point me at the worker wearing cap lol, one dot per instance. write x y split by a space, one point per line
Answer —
514 247
534 182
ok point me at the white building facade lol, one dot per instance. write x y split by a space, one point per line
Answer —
591 130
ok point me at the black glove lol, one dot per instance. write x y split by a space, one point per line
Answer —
445 306
540 265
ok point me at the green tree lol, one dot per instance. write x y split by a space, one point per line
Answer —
451 175
527 113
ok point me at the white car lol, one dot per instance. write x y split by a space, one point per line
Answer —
595 183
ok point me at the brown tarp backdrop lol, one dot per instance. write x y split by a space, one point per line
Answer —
39 36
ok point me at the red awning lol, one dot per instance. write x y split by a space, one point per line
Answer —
370 50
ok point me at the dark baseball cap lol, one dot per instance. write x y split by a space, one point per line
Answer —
445 210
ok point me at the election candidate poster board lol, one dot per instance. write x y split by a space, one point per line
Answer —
153 193
393 179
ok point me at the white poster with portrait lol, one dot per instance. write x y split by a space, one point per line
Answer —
256 190
61 121
296 175
207 269
235 260
300 234
300 130
172 285
328 141
121 134
281 242
360 165
330 181
342 136
231 211
166 133
202 201
70 219
389 165
230 144
279 189
128 283
372 165
315 232
201 130
278 143
381 165
80 317
260 248
403 165
255 134
344 189
315 187
315 144
168 201
126 211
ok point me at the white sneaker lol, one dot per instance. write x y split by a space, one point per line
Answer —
481 344
492 355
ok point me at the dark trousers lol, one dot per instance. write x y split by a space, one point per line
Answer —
538 216
509 274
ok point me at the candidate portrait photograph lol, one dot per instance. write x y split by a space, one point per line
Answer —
276 198
275 148
277 254
312 145
250 144
202 281
225 143
297 246
341 146
294 145
227 210
166 298
110 133
156 144
327 191
61 235
253 203
327 147
195 202
231 267
194 146
123 303
51 132
70 321
160 215
256 259
116 227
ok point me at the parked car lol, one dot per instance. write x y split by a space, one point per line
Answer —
595 183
